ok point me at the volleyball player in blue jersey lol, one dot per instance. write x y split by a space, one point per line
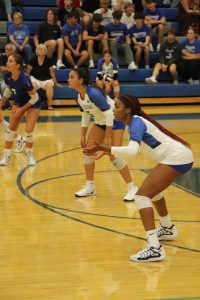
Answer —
26 100
174 158
92 102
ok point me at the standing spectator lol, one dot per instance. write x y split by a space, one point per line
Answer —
170 55
19 35
188 15
49 34
119 40
105 12
189 66
128 15
72 35
154 17
107 74
140 36
8 8
95 37
42 73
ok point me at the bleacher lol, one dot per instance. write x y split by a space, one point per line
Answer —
131 82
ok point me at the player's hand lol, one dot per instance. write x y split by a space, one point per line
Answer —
76 53
21 47
83 141
97 155
18 112
92 149
100 37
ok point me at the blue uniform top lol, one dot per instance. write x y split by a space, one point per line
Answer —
73 33
193 48
140 34
19 33
154 15
19 87
117 31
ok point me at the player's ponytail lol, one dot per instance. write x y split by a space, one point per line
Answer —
83 74
133 103
18 59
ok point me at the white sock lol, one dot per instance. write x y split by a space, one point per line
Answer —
152 238
59 61
130 185
29 150
89 182
7 152
18 138
91 60
153 77
166 221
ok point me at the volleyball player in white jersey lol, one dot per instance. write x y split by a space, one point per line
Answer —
174 158
92 102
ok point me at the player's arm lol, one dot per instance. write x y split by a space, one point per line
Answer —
67 43
84 127
6 96
79 42
12 40
25 41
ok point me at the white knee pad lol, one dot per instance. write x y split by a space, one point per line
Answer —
158 197
29 137
116 88
10 135
88 160
142 202
118 163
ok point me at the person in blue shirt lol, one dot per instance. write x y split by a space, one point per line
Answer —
72 35
93 103
119 40
189 66
173 157
154 18
26 100
107 74
140 37
19 35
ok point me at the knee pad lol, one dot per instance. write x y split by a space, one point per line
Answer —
88 160
116 88
142 202
10 135
157 197
29 137
118 163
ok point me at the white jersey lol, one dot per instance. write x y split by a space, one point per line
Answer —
96 105
157 145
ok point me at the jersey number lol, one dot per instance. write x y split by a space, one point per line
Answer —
14 91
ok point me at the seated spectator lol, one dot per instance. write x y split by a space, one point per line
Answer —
107 74
140 36
8 7
170 55
19 35
119 40
189 66
95 38
76 3
188 15
128 15
105 12
154 17
49 34
40 68
72 35
9 50
64 11
118 5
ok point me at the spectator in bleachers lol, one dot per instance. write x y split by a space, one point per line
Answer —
154 17
74 46
9 50
64 11
189 66
107 74
105 12
19 35
189 15
170 55
49 33
8 8
140 37
95 37
128 15
40 68
76 3
119 40
118 4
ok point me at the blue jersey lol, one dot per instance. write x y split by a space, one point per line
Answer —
139 34
19 32
193 48
19 87
117 31
73 33
154 15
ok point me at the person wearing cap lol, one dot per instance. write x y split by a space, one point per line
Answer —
105 12
170 55
140 37
154 17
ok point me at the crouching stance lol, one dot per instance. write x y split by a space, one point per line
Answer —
174 158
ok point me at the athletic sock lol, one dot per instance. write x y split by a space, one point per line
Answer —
166 221
89 183
153 77
7 152
130 185
152 238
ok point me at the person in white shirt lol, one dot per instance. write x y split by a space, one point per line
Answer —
105 12
128 15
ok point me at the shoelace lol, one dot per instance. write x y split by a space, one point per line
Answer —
147 252
163 230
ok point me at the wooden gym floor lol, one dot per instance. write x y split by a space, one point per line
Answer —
56 247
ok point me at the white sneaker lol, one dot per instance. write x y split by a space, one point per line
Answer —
151 48
190 80
150 80
5 160
175 82
91 64
86 191
131 193
149 254
158 48
196 81
20 145
147 67
132 66
30 159
166 234
60 64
